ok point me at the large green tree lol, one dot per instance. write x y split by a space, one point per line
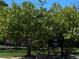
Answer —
34 27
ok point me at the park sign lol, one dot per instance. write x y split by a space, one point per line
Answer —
55 43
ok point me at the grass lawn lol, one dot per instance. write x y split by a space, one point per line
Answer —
12 53
76 51
22 52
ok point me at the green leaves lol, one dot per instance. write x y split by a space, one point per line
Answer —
26 21
2 4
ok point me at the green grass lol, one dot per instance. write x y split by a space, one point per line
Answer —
23 52
76 51
12 53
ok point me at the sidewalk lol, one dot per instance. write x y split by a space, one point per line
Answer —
72 57
12 58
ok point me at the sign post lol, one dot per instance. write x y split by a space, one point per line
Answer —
62 55
54 43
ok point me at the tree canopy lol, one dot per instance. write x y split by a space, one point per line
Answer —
2 3
40 25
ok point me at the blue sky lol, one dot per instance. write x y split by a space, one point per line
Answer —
48 3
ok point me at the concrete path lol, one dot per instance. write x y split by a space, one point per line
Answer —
12 58
72 57
76 57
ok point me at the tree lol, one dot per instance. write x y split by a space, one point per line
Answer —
2 4
26 22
